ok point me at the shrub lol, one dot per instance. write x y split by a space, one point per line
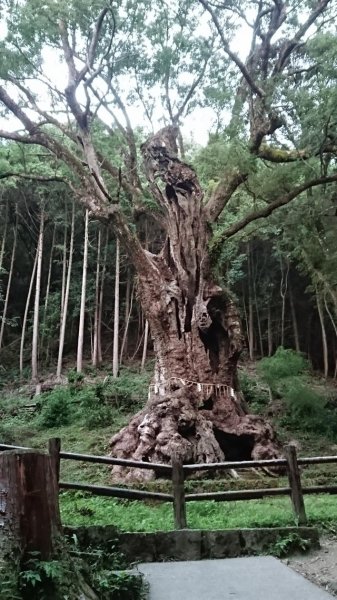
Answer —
126 391
307 410
256 396
94 408
289 544
57 409
283 364
75 380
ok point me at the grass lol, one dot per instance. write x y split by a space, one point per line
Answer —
81 509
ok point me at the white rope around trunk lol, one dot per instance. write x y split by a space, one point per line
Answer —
205 388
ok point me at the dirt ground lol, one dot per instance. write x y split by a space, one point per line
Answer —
320 566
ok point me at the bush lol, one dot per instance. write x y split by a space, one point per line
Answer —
94 409
56 409
283 364
105 569
256 396
307 410
75 380
126 391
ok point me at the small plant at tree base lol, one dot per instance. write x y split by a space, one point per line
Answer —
289 544
104 568
40 580
112 585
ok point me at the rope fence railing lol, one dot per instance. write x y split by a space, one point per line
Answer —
178 472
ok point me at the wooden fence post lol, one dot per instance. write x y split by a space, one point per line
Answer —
179 506
294 477
54 449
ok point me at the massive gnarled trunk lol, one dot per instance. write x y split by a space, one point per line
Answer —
193 408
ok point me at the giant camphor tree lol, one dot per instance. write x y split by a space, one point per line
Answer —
166 59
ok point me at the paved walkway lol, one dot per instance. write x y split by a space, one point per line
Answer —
256 578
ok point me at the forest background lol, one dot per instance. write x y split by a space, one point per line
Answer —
66 286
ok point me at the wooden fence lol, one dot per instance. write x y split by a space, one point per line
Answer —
178 471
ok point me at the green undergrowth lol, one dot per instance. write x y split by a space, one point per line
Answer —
85 413
98 406
79 509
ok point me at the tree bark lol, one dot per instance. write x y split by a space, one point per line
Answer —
83 297
193 410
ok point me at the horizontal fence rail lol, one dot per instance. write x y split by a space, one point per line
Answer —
177 472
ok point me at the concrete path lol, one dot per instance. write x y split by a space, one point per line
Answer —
256 578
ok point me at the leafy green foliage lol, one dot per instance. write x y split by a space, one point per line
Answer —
106 570
254 393
283 364
289 544
309 410
56 408
119 585
40 579
286 373
94 408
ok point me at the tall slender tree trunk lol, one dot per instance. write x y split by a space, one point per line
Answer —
46 299
35 340
25 316
270 330
100 304
250 306
64 258
97 294
115 364
258 320
146 339
283 293
127 315
9 282
4 237
64 312
83 296
126 325
294 319
324 337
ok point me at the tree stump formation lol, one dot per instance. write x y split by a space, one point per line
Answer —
30 527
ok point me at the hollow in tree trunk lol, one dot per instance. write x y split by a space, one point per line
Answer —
194 408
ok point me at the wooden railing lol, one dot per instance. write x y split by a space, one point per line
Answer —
178 471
